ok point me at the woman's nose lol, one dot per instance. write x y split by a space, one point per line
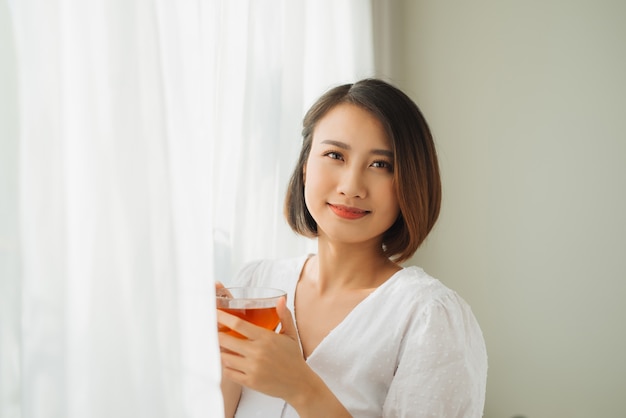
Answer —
352 183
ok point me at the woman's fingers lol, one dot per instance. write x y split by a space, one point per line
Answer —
231 348
236 352
287 324
239 325
221 291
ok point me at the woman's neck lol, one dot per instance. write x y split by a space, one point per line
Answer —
348 267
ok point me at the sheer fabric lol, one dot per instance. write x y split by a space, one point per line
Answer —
145 149
272 64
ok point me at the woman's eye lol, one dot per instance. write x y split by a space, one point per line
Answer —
382 164
334 155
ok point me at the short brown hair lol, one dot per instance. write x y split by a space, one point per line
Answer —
416 169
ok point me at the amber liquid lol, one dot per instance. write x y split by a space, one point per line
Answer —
263 317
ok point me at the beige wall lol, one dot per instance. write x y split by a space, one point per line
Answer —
527 101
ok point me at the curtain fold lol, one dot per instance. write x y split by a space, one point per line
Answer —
145 155
114 215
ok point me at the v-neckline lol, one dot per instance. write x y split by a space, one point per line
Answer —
341 323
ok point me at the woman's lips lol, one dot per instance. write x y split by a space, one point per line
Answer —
347 212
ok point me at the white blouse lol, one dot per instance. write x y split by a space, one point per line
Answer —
412 348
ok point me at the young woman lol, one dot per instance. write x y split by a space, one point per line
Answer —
360 335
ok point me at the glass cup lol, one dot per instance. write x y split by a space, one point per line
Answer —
253 304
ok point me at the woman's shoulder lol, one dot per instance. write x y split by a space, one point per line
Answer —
414 283
422 294
433 313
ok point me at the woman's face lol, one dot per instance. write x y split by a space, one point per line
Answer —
349 188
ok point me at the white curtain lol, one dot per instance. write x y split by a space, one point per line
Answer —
145 148
274 59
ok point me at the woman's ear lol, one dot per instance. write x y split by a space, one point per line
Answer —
304 175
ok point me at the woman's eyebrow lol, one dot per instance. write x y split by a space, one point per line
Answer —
338 144
383 152
343 145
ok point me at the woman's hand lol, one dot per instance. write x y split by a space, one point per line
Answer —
267 362
273 364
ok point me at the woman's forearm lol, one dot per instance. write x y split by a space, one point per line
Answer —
231 392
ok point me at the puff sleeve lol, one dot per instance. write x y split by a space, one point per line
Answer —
442 366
